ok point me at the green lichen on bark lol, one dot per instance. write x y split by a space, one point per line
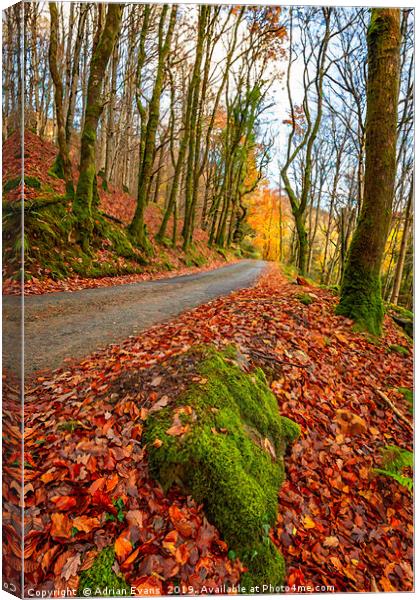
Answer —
231 458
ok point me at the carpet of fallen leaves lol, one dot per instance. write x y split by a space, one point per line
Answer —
39 158
87 485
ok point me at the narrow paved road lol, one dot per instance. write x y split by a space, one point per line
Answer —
74 324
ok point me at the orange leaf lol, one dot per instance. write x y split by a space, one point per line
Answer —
112 482
86 524
128 561
48 477
182 554
123 546
178 430
97 485
64 502
179 521
61 526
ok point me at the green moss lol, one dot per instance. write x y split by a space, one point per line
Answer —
400 310
121 241
361 300
70 425
222 253
266 566
30 182
403 317
50 241
408 396
57 169
193 258
101 580
304 298
399 349
231 459
289 271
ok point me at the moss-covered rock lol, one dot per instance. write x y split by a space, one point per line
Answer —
403 317
228 456
101 579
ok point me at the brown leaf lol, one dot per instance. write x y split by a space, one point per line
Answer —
161 403
177 430
331 542
71 566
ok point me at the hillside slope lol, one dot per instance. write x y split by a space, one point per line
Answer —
53 262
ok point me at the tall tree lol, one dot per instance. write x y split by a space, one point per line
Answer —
361 297
86 192
299 203
137 226
403 248
62 165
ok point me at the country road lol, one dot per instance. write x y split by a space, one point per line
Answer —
74 324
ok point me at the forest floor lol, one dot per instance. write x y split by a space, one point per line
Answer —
105 268
54 329
86 478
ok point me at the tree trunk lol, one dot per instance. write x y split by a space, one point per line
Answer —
86 193
361 291
195 82
403 249
75 71
137 226
62 165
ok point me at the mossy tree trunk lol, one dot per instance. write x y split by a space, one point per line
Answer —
62 165
192 143
86 196
137 226
361 297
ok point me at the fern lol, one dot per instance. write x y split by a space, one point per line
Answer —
406 482
393 460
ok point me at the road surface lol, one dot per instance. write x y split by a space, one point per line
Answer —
74 324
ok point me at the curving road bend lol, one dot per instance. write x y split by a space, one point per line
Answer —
74 324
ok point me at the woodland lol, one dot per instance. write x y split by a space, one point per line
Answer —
260 441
